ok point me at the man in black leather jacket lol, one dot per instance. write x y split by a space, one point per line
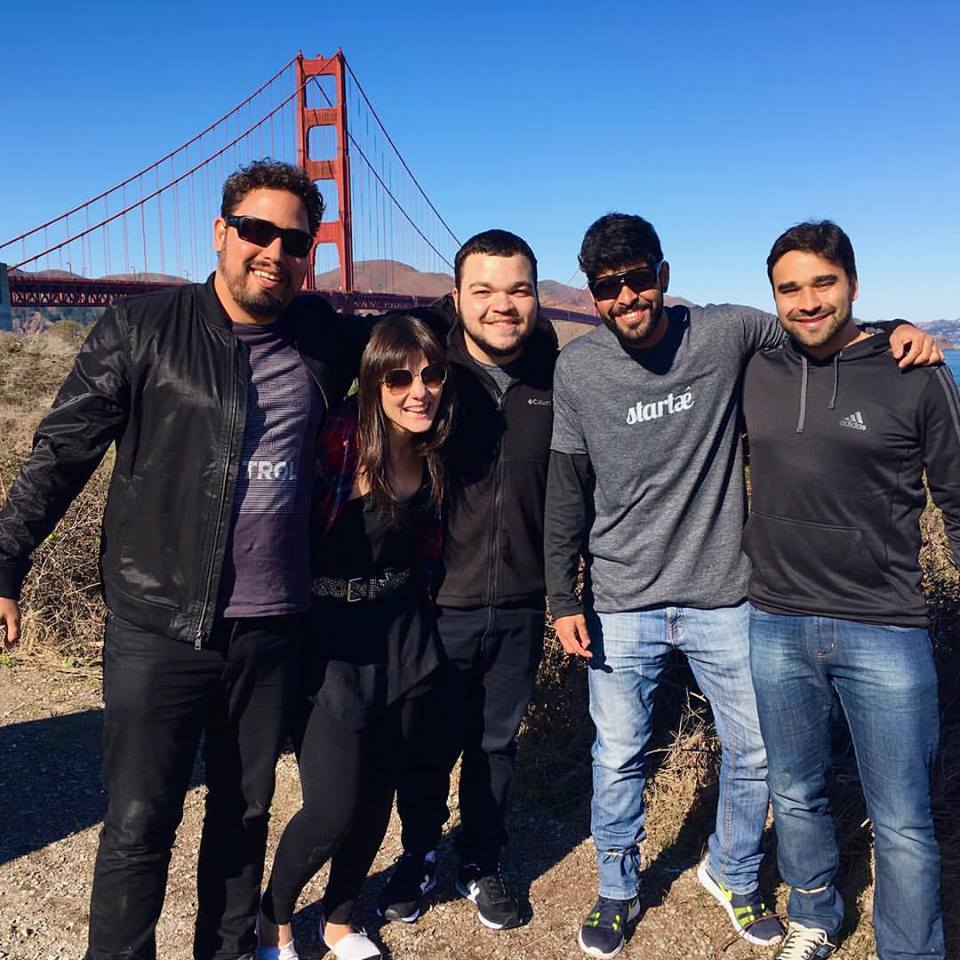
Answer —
213 394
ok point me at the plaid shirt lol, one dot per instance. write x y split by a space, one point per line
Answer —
335 469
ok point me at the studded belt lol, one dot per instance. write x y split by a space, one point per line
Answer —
361 588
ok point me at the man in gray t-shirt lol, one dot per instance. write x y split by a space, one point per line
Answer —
646 480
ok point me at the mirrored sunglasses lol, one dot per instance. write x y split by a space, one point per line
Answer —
295 243
432 376
638 279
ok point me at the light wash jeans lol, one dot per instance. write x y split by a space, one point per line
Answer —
887 684
630 651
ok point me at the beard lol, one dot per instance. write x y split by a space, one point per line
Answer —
492 349
636 337
259 303
830 327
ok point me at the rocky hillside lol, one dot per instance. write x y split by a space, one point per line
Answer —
947 331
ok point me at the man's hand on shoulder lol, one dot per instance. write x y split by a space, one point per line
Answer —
573 635
911 347
10 620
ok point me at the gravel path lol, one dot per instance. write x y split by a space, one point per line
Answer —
51 803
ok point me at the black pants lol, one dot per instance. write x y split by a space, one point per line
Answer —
348 777
492 655
160 697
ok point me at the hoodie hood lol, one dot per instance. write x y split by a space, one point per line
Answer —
795 353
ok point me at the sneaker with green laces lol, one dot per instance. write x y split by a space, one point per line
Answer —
602 932
751 917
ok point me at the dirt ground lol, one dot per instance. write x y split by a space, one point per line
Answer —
51 803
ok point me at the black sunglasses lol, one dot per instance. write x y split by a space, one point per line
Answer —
432 376
638 279
295 243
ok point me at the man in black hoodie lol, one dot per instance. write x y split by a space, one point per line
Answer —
839 441
491 588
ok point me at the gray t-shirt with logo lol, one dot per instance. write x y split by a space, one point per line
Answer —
662 430
266 571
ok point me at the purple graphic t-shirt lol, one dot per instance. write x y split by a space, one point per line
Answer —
266 571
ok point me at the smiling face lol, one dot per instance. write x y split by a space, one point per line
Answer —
497 304
636 317
814 300
256 283
413 409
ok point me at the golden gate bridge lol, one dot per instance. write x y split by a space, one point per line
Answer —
152 230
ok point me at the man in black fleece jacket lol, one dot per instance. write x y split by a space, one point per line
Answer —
491 590
839 440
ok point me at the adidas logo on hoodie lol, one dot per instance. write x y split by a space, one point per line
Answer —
854 421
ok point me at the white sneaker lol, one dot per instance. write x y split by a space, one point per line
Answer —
804 943
287 952
354 946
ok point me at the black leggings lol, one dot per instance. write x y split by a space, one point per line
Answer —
348 778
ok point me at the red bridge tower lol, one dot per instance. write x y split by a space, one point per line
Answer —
340 231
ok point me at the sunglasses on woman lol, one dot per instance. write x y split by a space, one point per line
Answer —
432 376
261 233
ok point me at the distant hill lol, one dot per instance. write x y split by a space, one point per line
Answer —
66 274
382 276
947 332
390 276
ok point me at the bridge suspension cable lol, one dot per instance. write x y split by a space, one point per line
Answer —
150 220
153 166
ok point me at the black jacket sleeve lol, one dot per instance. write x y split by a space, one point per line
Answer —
939 412
87 415
568 510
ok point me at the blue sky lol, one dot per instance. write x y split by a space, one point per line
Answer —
721 123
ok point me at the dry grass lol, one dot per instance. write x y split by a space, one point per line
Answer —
62 608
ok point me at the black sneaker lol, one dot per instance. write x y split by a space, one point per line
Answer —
497 907
411 880
602 932
751 917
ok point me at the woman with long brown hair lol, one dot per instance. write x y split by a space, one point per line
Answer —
370 641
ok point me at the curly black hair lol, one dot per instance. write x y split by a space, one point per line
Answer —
618 240
270 174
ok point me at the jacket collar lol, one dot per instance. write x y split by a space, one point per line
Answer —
210 305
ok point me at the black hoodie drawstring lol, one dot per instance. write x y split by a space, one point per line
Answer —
801 420
803 393
836 379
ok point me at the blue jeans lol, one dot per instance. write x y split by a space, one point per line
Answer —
629 653
886 681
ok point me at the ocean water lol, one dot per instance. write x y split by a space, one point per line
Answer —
953 362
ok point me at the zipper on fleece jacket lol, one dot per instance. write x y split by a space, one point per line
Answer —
201 635
497 512
492 578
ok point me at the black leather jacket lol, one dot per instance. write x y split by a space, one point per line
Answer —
163 377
